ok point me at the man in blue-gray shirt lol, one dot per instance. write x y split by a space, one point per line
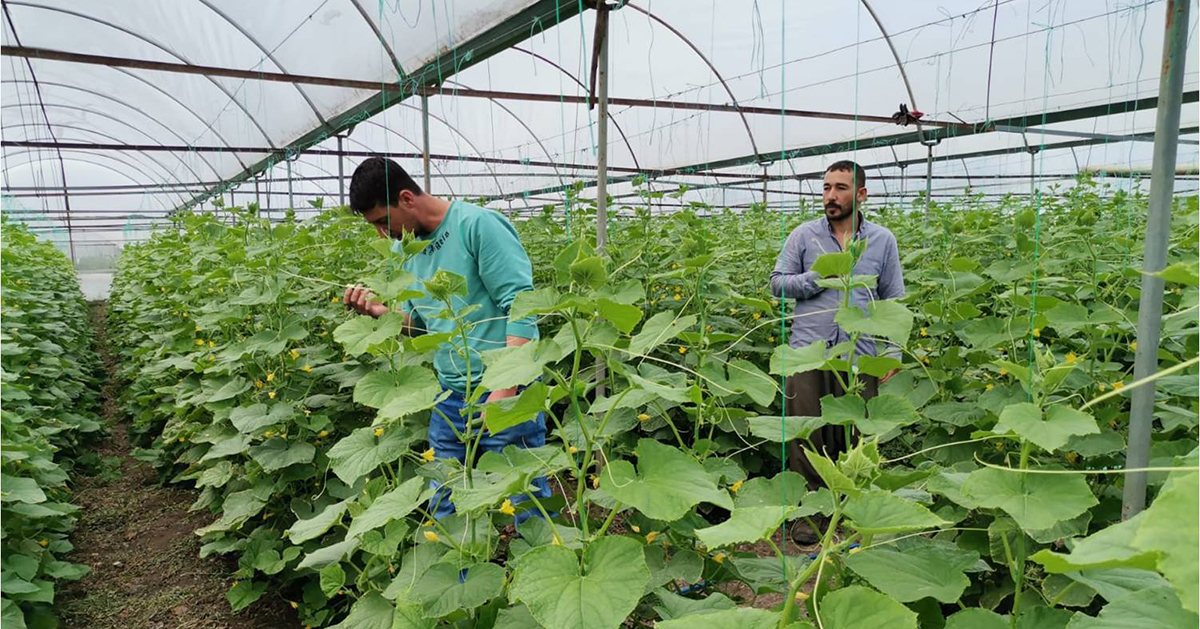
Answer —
845 192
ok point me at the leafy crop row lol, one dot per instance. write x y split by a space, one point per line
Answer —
980 495
49 395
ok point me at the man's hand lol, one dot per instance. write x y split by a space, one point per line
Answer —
359 298
501 394
888 376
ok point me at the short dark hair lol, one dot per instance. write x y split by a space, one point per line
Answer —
845 165
379 181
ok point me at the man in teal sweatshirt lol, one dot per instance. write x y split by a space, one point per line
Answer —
481 246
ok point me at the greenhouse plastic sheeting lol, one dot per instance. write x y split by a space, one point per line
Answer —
968 60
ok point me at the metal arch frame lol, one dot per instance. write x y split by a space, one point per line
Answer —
310 164
533 135
156 44
267 53
39 158
611 118
59 125
461 135
191 111
733 99
379 35
114 119
441 173
121 102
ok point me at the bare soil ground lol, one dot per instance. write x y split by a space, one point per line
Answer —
138 537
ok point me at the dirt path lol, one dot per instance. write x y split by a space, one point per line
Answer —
138 539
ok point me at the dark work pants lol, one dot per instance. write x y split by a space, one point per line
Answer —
802 398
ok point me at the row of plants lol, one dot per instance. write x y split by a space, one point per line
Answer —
980 495
49 382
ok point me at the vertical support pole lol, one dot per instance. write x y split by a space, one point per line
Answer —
929 179
425 138
257 200
903 181
1158 229
602 156
341 173
291 202
602 139
1032 174
764 180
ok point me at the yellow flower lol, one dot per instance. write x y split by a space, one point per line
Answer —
306 368
1118 384
771 338
678 296
651 536
427 523
307 412
294 354
682 350
735 487
431 536
801 596
323 433
1071 358
757 316
269 434
258 384
185 315
507 508
333 300
271 377
1072 457
197 328
1037 333
427 455
294 604
182 439
1102 387
199 341
719 557
989 387
924 331
1133 346
271 394
635 528
44 543
1003 372
379 432
572 449
595 481
733 311
211 345
643 417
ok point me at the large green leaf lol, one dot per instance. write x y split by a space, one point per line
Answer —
503 414
975 618
1111 547
787 360
1157 608
834 264
833 477
1049 433
510 367
369 612
1170 528
744 618
915 568
623 316
856 607
360 333
303 530
20 489
887 412
745 525
442 590
746 378
411 389
562 593
253 418
886 318
245 592
276 454
666 485
361 451
784 429
393 505
675 606
1035 501
657 330
879 511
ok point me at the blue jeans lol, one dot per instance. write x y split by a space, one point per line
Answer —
446 445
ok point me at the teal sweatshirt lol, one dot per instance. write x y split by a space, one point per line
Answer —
483 247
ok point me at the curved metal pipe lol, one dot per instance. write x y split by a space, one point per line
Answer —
121 102
733 99
156 44
465 139
58 125
40 158
379 35
267 53
114 119
585 87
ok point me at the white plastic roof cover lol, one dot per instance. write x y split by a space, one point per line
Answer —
973 60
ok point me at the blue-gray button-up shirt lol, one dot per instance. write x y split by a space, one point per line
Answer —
793 278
